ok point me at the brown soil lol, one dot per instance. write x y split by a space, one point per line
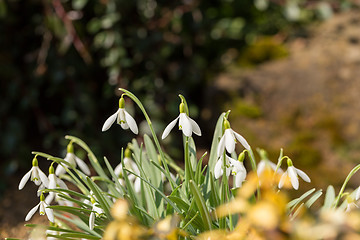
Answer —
309 102
14 205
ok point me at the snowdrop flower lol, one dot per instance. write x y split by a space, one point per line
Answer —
43 210
218 169
131 165
37 176
54 182
186 124
228 140
73 160
96 211
293 173
123 118
238 170
350 203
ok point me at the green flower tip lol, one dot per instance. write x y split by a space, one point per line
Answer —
182 108
51 169
70 148
226 124
121 102
42 198
127 153
35 162
92 200
241 157
289 162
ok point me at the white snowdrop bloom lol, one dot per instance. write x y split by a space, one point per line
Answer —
96 212
130 165
293 173
228 140
239 171
43 210
55 182
74 161
37 176
123 118
186 124
267 164
218 169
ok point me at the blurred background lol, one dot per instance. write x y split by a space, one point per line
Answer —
288 70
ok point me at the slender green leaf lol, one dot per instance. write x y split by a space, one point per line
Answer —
200 202
313 198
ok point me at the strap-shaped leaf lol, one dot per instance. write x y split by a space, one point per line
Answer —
200 202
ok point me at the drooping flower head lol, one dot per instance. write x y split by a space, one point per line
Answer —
131 165
186 124
96 212
229 139
43 210
73 160
293 173
37 176
238 170
122 117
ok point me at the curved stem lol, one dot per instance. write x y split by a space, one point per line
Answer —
162 156
352 172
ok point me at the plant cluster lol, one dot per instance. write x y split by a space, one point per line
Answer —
160 200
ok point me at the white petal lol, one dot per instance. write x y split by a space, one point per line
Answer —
24 179
82 165
185 125
49 214
110 121
293 177
118 169
218 168
60 170
260 167
131 122
92 220
35 176
239 178
169 128
43 178
229 140
61 184
121 119
221 146
70 158
49 198
282 180
303 175
31 212
52 181
137 185
195 127
242 140
357 195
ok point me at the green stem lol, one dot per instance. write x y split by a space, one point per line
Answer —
253 166
352 172
188 168
162 156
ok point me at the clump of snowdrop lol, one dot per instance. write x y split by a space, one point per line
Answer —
186 124
293 173
73 160
122 117
36 175
43 210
